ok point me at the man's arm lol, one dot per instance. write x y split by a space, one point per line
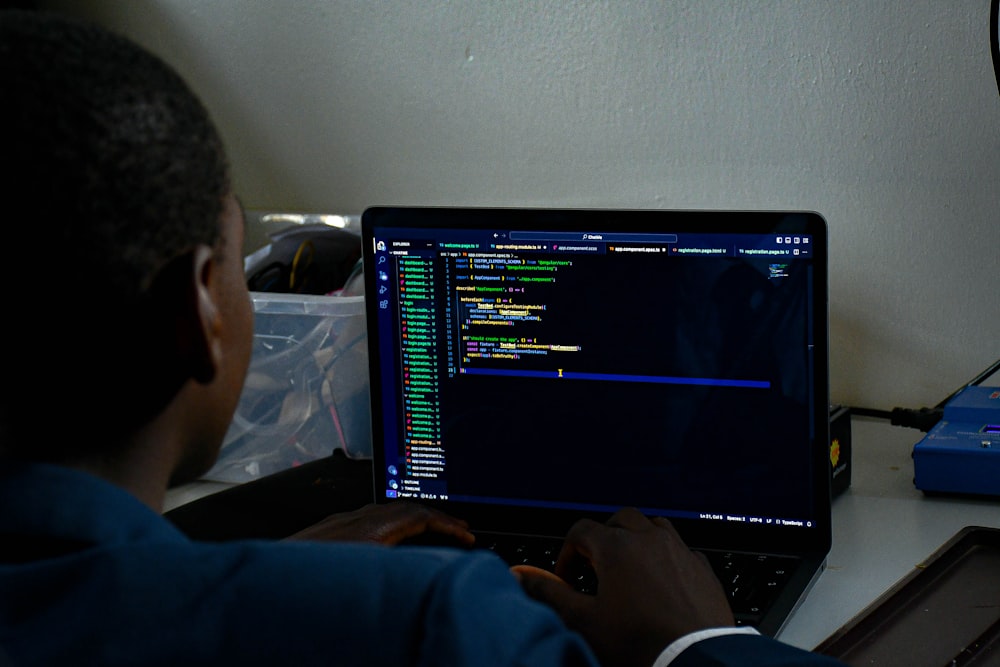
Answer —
747 650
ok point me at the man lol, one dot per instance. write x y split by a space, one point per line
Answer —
129 314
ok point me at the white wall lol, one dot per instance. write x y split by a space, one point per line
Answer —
884 116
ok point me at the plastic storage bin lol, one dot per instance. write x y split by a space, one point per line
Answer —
306 392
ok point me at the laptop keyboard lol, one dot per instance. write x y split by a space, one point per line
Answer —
751 581
538 551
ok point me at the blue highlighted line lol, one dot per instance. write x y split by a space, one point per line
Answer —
619 377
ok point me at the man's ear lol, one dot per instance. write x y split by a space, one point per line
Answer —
205 351
185 318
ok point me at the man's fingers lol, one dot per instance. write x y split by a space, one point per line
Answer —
546 587
388 524
629 518
586 538
524 571
452 528
400 521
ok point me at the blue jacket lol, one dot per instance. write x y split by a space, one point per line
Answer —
90 575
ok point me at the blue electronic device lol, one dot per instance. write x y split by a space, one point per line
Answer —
961 453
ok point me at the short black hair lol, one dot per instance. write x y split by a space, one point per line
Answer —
110 155
113 168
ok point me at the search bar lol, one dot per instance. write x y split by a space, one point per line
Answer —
612 237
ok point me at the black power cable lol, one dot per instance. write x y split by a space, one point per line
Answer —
994 45
923 419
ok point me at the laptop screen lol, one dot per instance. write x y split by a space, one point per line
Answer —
584 360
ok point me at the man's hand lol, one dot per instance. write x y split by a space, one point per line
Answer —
387 524
651 590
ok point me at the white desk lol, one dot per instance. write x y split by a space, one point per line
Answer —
187 493
882 528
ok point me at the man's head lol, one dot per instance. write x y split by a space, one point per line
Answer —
116 177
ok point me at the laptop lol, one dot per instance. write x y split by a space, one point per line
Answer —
530 367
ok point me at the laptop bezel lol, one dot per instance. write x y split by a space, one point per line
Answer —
811 544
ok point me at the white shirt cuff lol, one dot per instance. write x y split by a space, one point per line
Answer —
679 645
